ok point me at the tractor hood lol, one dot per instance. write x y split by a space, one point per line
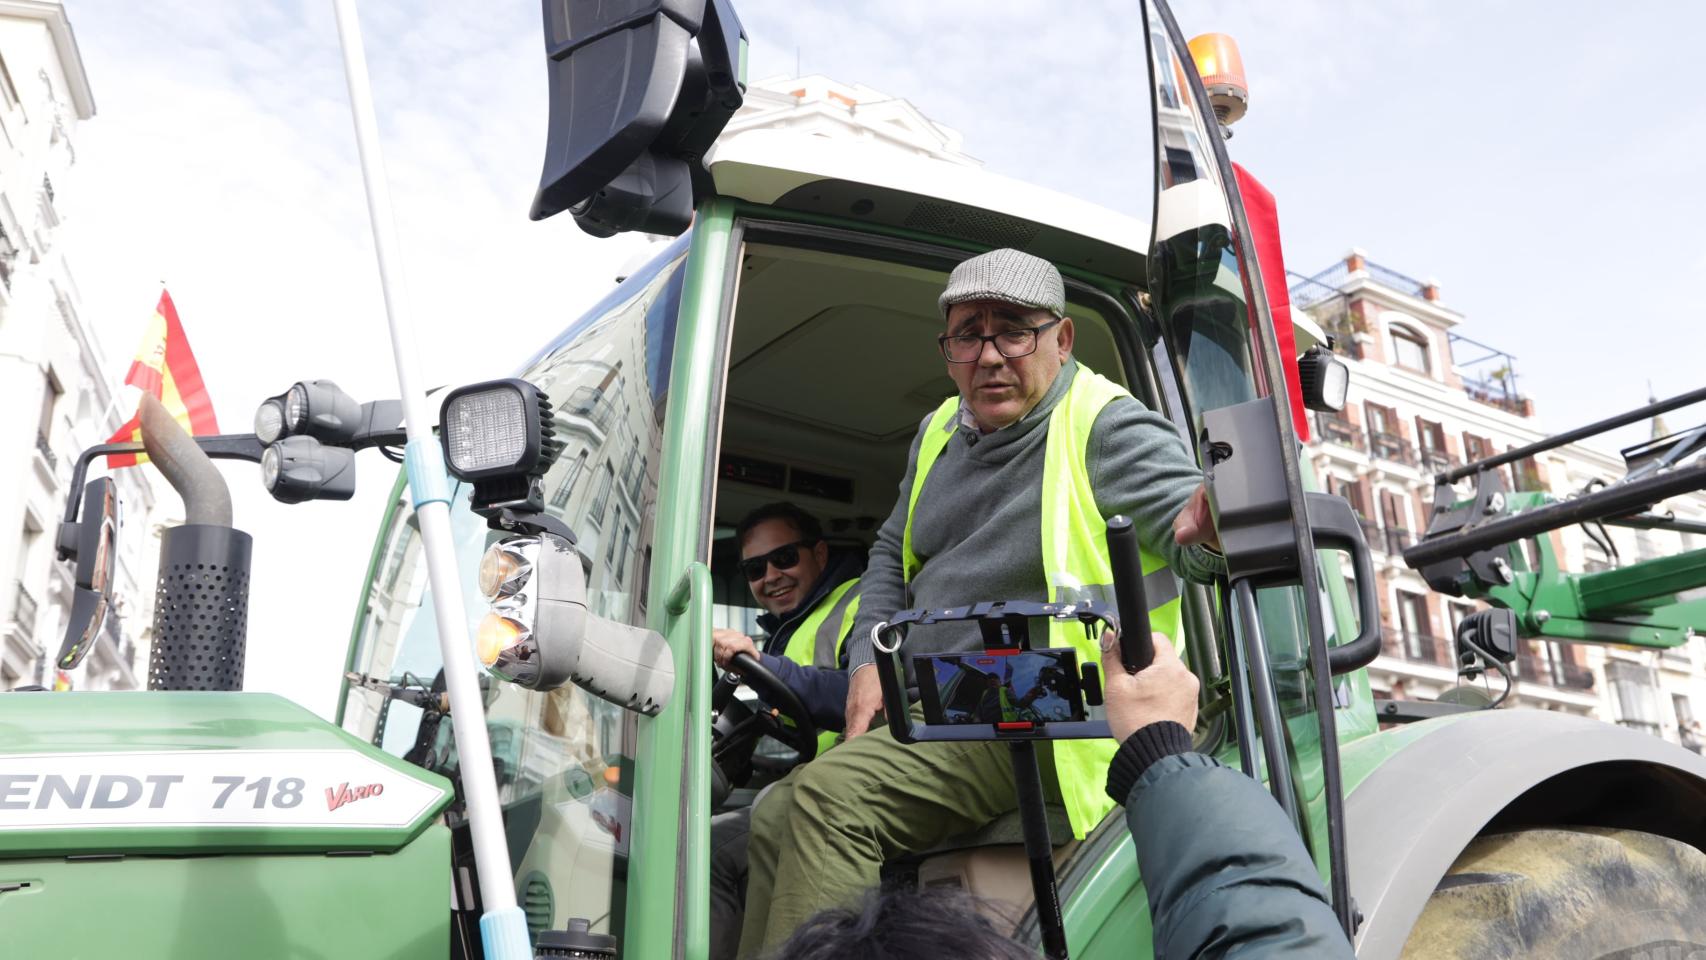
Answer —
198 773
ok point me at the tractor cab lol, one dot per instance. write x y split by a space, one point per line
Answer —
783 348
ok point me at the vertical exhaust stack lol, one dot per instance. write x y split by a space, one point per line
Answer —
201 604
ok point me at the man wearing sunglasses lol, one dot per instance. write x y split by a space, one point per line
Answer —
810 600
1006 492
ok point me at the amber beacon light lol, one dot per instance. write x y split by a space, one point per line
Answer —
1222 71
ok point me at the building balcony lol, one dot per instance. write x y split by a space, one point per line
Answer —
1397 540
1412 645
45 448
1438 461
1553 673
1371 534
1496 393
590 404
24 612
1390 446
1342 432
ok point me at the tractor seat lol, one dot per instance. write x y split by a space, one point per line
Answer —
988 862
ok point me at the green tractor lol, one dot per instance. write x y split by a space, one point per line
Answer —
778 347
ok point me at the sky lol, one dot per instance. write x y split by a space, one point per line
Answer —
1541 162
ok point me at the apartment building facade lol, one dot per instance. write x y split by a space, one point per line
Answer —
1425 397
54 381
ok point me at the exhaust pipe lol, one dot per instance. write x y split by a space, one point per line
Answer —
201 603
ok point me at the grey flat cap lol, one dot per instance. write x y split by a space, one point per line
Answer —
1009 276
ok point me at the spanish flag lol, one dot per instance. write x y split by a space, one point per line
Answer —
165 367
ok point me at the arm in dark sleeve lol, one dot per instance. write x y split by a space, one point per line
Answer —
1225 870
883 585
1139 466
822 690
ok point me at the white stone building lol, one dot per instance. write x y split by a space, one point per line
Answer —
1424 397
53 381
819 106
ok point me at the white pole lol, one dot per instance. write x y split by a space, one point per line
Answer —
503 928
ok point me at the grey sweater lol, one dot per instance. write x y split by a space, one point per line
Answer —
978 526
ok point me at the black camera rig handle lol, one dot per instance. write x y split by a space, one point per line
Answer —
1137 645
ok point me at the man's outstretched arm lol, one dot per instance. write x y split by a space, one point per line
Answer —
1225 871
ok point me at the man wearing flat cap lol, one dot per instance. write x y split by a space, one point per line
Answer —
1006 495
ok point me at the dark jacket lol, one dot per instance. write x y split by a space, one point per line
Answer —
822 690
1226 873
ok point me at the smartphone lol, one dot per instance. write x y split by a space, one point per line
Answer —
1020 686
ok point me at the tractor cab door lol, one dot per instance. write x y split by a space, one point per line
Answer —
639 89
1282 610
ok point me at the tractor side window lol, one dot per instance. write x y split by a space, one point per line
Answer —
566 760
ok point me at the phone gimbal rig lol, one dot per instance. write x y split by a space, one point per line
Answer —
1005 625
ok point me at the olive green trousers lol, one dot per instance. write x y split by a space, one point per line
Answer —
820 835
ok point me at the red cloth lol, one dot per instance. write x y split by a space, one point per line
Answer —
1259 209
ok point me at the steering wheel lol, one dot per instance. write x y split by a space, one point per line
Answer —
736 727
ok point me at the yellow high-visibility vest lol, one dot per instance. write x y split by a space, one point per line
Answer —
1075 559
817 641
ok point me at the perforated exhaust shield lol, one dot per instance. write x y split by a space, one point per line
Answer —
201 609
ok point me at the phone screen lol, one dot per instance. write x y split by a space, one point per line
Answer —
1039 686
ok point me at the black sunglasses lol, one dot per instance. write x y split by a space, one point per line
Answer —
785 557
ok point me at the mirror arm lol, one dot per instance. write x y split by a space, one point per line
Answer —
225 446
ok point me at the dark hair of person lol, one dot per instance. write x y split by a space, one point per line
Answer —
807 525
903 925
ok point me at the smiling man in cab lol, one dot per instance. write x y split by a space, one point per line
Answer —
810 599
1005 497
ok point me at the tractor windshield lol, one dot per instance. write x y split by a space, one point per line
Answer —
566 760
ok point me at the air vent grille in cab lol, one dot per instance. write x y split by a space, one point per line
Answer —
537 903
979 226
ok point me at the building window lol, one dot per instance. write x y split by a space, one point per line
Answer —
1396 517
8 91
1419 642
1410 349
1687 728
601 498
1457 612
1351 491
1476 448
1636 687
560 499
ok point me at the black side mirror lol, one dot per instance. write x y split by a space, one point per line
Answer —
97 546
639 91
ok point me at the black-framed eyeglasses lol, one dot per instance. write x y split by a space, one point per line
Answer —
1011 344
785 557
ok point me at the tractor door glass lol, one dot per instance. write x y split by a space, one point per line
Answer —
1197 275
1196 279
566 760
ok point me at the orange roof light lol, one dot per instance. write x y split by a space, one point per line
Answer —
1222 70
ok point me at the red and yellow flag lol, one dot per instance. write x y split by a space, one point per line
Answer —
165 367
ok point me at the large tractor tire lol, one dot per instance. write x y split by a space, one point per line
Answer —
1568 892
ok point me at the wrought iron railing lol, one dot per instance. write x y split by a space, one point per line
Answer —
46 450
1556 673
1494 393
1390 446
24 611
1437 460
1411 645
1340 431
1371 534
